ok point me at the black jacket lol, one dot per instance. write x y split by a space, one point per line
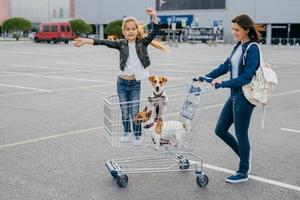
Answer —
141 47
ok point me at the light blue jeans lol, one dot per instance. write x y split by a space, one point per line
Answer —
129 97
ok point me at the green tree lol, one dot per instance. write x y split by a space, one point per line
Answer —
80 27
16 25
114 28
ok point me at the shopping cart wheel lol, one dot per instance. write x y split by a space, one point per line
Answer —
122 180
202 180
184 164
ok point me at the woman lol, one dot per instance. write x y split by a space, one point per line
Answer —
237 109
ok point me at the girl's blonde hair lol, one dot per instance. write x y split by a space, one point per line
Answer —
142 34
129 19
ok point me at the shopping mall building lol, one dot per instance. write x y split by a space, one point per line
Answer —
281 18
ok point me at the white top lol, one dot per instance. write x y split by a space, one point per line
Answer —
235 60
134 65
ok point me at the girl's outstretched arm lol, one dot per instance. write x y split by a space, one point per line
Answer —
111 44
81 41
151 12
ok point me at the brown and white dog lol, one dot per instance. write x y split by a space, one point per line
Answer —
158 100
170 130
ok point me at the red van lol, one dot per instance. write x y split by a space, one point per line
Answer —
55 32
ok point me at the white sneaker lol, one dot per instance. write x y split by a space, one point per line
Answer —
137 142
125 138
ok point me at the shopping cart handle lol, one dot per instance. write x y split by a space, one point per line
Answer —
203 78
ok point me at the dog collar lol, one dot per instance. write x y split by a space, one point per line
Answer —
159 95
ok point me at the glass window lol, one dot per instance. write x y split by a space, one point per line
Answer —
46 28
62 28
54 28
68 28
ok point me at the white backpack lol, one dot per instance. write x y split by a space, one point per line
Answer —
262 84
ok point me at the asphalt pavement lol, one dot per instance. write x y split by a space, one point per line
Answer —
51 117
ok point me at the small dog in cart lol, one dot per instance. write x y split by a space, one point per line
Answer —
159 99
169 132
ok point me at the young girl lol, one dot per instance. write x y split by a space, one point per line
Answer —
134 63
237 109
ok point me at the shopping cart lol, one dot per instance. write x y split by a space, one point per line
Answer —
185 104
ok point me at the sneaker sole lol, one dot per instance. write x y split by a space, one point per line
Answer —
236 181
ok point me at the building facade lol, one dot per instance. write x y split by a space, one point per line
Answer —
38 11
279 17
4 10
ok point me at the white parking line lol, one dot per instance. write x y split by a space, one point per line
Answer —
257 178
40 67
274 95
214 106
19 93
28 88
60 77
61 71
173 70
71 70
109 66
9 75
285 93
50 137
290 130
57 90
87 131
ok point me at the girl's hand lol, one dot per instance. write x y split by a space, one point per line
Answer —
150 11
79 42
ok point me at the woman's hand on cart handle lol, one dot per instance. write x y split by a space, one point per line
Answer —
216 83
203 78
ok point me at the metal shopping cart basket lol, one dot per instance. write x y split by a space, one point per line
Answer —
185 104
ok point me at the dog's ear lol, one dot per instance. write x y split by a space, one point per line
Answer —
164 79
150 78
149 114
145 109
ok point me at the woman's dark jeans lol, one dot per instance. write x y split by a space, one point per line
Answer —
237 110
129 98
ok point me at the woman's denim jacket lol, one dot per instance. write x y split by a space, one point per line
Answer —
245 72
141 47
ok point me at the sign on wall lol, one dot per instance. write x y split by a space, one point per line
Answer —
179 19
189 4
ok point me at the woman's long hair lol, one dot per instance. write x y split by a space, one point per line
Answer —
141 33
248 24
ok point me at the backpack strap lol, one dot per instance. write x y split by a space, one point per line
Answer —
261 61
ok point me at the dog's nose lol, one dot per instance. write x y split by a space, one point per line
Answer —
157 88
